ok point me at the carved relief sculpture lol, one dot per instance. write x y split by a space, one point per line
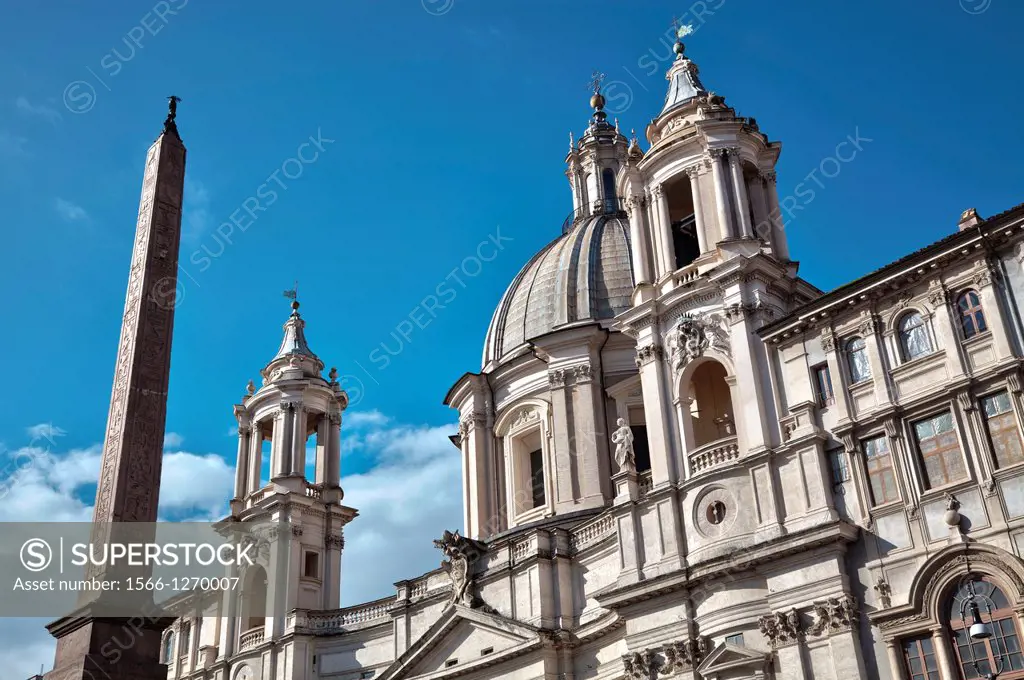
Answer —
694 335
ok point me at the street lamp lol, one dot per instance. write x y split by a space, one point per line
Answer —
972 604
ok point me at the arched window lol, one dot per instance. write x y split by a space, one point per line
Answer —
711 416
972 316
979 657
608 180
914 340
186 631
857 360
168 651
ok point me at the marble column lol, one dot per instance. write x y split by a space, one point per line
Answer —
896 664
334 450
242 463
944 655
995 318
946 333
281 442
725 226
739 186
778 228
698 210
322 448
668 250
638 241
298 442
255 458
654 387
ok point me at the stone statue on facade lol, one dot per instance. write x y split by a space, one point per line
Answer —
460 552
623 440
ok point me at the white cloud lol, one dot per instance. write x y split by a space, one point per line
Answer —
47 431
43 111
198 485
71 212
408 500
172 440
364 418
196 209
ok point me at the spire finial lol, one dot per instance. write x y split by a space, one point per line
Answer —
682 30
597 101
172 113
572 142
293 295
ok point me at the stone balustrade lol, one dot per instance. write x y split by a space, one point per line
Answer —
592 532
251 638
714 454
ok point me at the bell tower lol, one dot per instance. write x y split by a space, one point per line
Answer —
595 161
288 474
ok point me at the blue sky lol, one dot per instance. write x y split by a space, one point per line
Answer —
441 125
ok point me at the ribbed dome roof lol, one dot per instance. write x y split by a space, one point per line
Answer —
584 275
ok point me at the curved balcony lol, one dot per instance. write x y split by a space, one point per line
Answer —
713 454
251 638
606 206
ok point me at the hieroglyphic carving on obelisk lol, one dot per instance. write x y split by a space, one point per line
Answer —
129 483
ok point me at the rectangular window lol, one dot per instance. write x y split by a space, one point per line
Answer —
823 385
736 639
537 477
880 470
311 566
1002 429
940 450
919 654
840 469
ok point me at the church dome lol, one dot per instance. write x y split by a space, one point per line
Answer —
585 275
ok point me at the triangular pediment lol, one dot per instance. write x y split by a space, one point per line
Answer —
463 639
728 661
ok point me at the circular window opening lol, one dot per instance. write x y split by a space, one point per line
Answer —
716 512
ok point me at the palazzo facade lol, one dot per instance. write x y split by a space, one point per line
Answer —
680 459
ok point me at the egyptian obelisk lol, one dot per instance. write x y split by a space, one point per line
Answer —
129 484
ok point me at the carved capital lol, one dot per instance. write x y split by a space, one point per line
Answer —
828 340
780 628
833 615
556 377
938 295
582 373
647 354
768 176
965 401
869 325
695 171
